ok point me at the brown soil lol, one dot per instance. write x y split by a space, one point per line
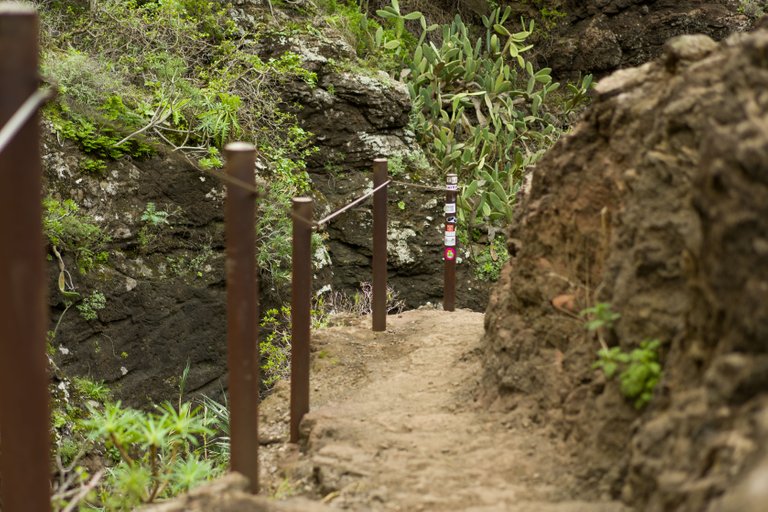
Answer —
396 425
407 432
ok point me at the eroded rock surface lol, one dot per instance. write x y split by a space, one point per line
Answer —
600 36
358 115
656 203
165 297
576 37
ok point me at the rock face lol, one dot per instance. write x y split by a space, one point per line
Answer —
599 36
165 299
165 296
577 37
658 204
357 117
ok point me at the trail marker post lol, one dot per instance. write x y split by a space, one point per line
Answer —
379 299
24 413
450 251
301 295
242 314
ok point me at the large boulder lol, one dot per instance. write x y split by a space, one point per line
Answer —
657 203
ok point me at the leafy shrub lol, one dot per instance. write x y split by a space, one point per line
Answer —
93 166
480 109
91 390
153 216
371 40
157 454
275 345
752 8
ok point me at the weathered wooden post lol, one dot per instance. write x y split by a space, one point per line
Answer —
379 299
451 248
242 314
24 414
301 296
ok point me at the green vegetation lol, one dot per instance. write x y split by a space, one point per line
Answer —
133 76
190 267
753 8
491 259
550 12
95 166
154 217
69 230
153 221
379 47
91 305
91 390
158 454
480 109
639 370
67 410
150 455
212 160
414 164
275 344
599 316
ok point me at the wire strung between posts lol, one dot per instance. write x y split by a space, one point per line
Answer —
352 204
341 210
224 177
22 115
417 185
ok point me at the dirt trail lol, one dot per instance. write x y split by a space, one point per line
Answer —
395 425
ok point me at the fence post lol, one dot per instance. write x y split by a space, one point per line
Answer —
24 415
301 295
450 251
379 300
242 314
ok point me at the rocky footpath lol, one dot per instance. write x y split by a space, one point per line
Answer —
656 204
395 425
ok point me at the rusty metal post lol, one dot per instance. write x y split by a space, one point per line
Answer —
24 415
379 299
242 314
450 251
301 295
